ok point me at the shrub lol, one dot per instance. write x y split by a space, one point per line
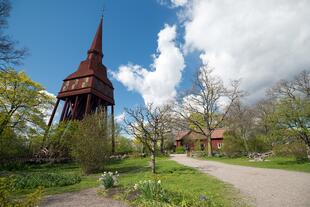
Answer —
91 143
124 145
180 150
259 144
233 146
296 149
108 180
34 180
7 189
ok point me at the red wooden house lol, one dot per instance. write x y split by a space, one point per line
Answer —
191 138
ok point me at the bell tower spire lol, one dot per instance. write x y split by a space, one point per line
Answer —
96 46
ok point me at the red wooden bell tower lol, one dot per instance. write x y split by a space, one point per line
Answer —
87 88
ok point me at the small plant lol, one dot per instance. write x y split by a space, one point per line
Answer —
34 180
152 190
7 192
180 150
108 179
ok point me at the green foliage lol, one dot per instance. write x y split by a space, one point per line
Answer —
91 145
47 180
183 186
6 191
233 145
151 190
259 143
198 120
180 150
60 139
124 145
274 162
108 180
22 102
12 145
295 149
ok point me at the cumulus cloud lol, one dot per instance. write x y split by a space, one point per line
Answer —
157 84
172 3
257 41
119 118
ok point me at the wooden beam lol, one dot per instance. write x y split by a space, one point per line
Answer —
88 105
113 129
75 107
53 113
64 110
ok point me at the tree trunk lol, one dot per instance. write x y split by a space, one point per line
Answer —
308 152
245 144
209 146
162 145
153 158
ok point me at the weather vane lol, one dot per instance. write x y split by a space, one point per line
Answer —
103 9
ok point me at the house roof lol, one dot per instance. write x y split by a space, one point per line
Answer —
216 134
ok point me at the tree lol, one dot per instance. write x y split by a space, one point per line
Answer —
148 124
292 113
240 119
91 143
23 102
206 100
9 54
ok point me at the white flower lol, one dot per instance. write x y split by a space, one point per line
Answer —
159 182
135 186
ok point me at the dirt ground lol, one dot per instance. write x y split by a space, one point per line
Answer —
83 198
263 187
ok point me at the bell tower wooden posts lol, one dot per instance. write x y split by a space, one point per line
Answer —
87 88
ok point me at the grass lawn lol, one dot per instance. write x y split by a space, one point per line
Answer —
174 177
285 163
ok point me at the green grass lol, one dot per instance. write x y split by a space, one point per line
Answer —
175 178
285 163
86 181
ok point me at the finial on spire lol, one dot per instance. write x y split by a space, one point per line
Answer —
96 46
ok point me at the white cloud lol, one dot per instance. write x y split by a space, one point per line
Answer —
172 3
257 41
158 84
119 118
177 3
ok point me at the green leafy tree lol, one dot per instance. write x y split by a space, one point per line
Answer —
124 145
23 105
292 114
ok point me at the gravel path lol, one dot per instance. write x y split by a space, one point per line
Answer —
265 187
83 198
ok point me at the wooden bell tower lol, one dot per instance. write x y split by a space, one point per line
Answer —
87 88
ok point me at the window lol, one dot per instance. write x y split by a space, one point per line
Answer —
219 145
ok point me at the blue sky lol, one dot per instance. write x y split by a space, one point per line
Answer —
58 34
259 42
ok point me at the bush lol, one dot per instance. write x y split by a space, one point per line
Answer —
233 146
259 144
180 150
295 149
7 189
124 145
108 180
34 180
91 143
